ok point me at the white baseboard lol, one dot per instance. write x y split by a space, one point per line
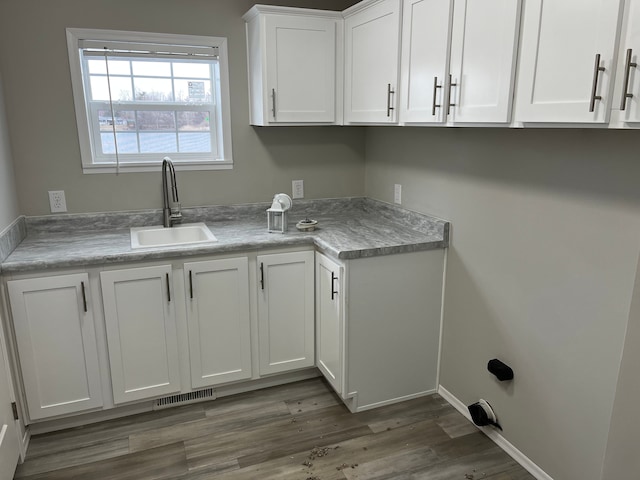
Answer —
391 401
26 438
497 438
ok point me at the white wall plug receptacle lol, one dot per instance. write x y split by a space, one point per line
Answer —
57 202
297 186
397 193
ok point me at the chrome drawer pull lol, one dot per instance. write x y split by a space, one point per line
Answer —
625 86
594 88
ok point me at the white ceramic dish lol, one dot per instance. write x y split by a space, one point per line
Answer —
306 225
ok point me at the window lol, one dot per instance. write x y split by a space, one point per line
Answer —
141 96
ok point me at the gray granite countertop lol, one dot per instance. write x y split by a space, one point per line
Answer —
348 228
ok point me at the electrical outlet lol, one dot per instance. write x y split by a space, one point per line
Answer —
397 194
57 201
298 188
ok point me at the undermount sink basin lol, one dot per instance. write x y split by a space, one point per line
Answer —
159 236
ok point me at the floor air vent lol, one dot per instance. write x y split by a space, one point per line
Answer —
184 398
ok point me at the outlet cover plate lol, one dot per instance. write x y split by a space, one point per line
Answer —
397 194
57 202
297 186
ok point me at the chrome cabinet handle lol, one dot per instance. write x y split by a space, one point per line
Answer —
168 288
594 88
625 86
449 104
334 292
273 102
190 285
435 92
389 93
84 297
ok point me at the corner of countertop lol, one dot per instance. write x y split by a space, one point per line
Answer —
413 217
11 236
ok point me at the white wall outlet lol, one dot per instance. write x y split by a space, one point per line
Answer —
57 201
397 193
297 186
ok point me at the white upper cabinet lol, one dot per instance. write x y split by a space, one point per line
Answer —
458 60
626 99
293 65
372 41
218 320
484 48
56 339
568 48
425 60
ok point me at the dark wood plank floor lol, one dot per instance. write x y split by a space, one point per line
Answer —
299 431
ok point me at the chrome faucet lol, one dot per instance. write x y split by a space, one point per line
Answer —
170 210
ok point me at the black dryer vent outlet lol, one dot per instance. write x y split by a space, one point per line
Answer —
501 370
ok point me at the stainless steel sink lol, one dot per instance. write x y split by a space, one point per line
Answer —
159 236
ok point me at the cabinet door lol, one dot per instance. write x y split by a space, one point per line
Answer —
424 64
9 442
141 332
330 320
218 321
627 97
286 311
371 58
55 335
558 79
301 69
483 59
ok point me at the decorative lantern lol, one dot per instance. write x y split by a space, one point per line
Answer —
277 214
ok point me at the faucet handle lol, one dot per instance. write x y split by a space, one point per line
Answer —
175 211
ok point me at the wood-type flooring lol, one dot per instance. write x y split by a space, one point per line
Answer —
299 431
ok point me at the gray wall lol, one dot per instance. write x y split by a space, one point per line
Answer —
544 249
622 453
34 61
8 196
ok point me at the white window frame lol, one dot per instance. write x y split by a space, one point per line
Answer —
92 163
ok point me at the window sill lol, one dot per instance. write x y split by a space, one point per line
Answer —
155 167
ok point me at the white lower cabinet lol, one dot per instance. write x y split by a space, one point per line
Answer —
381 345
141 332
218 321
371 326
286 311
330 320
10 442
56 341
